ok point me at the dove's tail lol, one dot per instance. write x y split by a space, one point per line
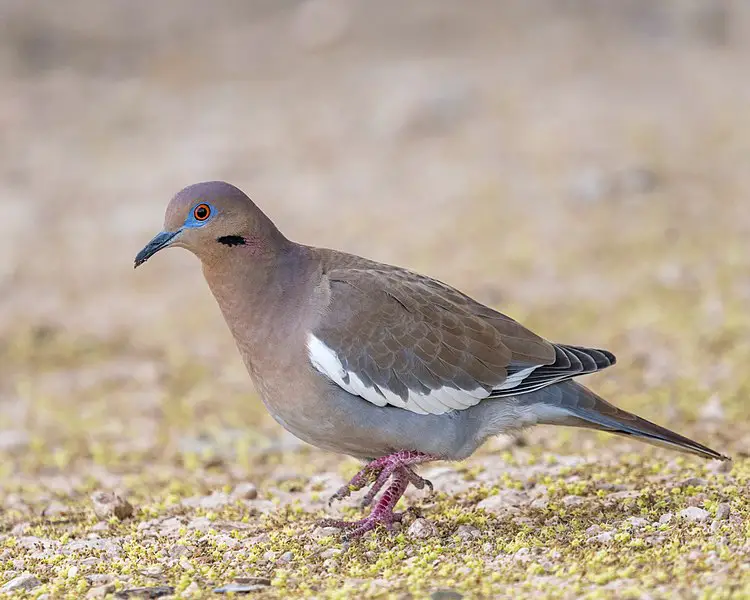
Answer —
570 403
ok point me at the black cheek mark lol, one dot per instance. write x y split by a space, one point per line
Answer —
232 240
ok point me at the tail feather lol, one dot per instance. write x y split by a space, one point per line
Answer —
570 403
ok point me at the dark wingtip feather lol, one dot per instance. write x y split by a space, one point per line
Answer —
602 358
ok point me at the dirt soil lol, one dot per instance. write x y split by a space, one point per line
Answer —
580 165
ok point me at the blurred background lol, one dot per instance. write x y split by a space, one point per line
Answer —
580 164
575 163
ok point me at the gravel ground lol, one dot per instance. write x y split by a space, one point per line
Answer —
580 165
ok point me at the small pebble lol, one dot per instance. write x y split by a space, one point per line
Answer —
694 482
637 522
693 513
323 532
468 532
192 590
603 538
722 511
446 595
146 592
110 504
422 529
25 581
573 500
593 530
101 591
246 491
239 588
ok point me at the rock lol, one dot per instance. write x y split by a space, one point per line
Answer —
593 530
20 528
722 511
446 595
110 504
239 588
192 590
153 571
468 532
107 545
522 555
25 581
623 495
507 501
637 522
101 591
245 491
330 553
540 503
573 500
215 501
607 537
99 579
146 592
694 482
323 532
287 557
170 526
665 518
422 529
199 524
693 513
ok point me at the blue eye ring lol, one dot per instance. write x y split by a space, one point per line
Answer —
202 212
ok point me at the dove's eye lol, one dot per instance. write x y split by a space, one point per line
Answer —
202 212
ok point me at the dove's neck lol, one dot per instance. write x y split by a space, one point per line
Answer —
263 299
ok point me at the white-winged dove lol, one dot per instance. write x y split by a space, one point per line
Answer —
376 361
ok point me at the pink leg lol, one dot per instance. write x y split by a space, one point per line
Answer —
382 514
417 481
398 466
385 465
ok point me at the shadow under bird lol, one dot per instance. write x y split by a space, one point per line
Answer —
378 362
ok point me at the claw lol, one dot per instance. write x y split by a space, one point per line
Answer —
377 473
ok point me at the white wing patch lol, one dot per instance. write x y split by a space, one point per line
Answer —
436 402
516 378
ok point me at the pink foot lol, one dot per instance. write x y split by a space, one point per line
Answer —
377 473
379 470
382 514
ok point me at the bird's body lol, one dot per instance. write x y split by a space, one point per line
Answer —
378 362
